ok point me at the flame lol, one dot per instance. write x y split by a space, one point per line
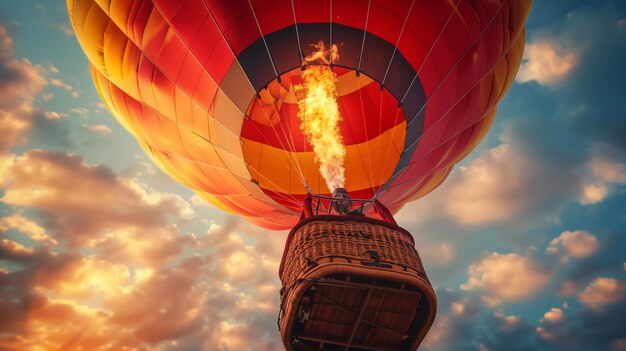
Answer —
319 115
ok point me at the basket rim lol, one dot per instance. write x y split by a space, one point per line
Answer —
337 218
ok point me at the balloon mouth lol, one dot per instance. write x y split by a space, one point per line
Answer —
381 107
373 129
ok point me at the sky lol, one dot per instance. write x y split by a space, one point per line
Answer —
525 243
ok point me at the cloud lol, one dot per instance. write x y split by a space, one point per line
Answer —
496 186
591 328
489 188
597 82
148 285
604 176
510 277
577 244
439 333
168 317
81 111
98 261
592 194
607 170
65 29
49 130
27 226
552 326
89 276
80 302
78 200
546 61
607 260
53 115
97 128
10 248
20 121
173 301
45 314
20 80
509 332
527 178
602 292
196 200
131 245
555 315
239 261
453 329
463 323
55 82
149 168
14 128
438 254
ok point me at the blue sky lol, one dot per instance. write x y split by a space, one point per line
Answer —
525 242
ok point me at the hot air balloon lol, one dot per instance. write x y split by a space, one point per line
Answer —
214 93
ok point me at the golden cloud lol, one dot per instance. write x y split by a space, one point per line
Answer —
80 200
602 292
577 244
546 61
510 277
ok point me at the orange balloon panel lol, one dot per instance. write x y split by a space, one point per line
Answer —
209 89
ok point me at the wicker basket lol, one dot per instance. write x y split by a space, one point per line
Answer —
353 283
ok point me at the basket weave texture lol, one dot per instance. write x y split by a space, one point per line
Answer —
320 241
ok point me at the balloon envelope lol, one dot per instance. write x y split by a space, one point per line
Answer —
208 89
